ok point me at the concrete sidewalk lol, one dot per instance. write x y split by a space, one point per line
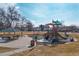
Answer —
19 43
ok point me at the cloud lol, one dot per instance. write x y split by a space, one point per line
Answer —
40 11
5 5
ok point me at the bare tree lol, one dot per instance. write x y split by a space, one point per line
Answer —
8 16
41 27
2 18
29 26
12 15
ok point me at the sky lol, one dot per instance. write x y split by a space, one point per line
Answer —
43 13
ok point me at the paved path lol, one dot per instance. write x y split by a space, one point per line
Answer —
19 43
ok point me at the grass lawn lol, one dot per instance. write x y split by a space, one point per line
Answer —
71 49
5 49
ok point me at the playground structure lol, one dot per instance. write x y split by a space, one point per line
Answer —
53 37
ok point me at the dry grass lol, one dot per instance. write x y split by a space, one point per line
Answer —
23 33
5 49
52 51
59 50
